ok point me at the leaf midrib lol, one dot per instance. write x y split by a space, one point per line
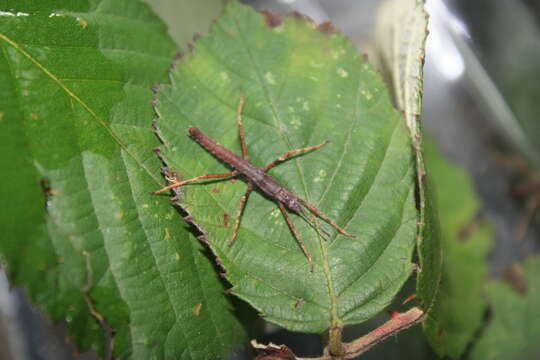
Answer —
326 266
77 99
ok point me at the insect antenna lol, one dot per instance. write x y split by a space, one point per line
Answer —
314 223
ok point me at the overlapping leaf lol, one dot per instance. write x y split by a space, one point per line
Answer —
514 328
302 86
401 36
76 118
460 305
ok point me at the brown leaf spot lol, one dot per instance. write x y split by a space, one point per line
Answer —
82 22
515 277
299 303
298 15
327 28
46 189
272 19
467 229
440 332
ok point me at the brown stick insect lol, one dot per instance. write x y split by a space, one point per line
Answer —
257 177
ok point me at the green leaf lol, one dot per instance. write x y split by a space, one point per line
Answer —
401 34
401 37
460 305
514 327
76 117
302 86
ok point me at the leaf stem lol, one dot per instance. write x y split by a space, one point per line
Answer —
397 323
343 351
335 345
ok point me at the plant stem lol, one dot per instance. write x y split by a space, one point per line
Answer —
335 345
337 350
398 323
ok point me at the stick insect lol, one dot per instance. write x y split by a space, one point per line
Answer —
257 177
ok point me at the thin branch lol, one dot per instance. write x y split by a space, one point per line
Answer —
398 322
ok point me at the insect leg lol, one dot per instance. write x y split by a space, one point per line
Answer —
197 178
320 214
296 234
241 207
291 153
241 126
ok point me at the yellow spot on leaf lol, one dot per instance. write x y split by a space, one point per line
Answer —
82 22
197 309
275 213
177 257
270 78
295 122
34 116
336 54
341 72
321 176
167 233
366 94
